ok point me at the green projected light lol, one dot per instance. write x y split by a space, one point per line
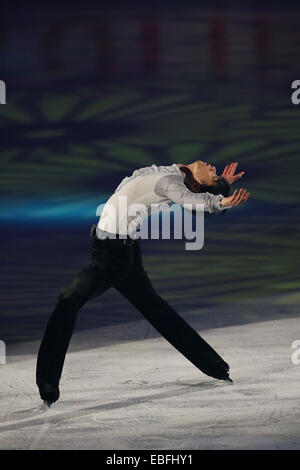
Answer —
77 143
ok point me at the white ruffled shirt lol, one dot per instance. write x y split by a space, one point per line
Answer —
151 187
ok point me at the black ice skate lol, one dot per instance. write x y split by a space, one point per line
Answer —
49 393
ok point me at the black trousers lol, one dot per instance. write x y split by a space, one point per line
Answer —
114 263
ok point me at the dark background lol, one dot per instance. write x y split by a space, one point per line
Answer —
94 93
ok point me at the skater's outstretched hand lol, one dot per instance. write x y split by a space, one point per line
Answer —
237 198
228 173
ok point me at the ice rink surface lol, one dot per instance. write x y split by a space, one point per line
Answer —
124 387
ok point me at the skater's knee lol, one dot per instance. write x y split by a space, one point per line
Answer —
73 295
152 298
67 299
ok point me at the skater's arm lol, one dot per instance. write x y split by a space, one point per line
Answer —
172 187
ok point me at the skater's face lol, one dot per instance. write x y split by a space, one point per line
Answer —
204 173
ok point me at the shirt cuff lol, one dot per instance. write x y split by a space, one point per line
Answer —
218 203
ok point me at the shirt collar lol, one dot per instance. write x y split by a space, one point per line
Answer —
181 173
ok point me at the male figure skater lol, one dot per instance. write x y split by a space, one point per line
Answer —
117 262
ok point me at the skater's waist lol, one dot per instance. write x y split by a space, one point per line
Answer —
103 235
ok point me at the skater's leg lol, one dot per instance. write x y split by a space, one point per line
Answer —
90 281
137 288
111 261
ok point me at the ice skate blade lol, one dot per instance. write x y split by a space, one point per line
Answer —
228 379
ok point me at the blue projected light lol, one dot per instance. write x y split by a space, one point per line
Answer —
52 208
